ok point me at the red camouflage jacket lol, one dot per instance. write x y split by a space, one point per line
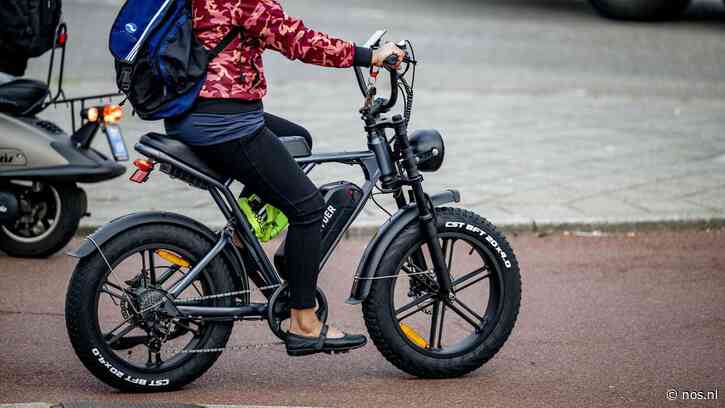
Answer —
238 71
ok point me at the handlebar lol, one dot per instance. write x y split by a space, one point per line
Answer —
381 105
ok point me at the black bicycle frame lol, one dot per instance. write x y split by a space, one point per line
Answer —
394 169
225 200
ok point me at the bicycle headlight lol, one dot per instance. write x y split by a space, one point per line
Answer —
428 147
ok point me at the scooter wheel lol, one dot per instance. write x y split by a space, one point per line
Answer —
48 219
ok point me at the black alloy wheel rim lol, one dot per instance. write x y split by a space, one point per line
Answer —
201 287
486 321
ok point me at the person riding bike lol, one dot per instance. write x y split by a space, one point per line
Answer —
228 128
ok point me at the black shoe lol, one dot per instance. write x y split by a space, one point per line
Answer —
303 346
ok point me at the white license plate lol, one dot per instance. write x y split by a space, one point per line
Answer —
116 142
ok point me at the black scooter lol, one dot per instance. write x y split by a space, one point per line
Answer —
40 165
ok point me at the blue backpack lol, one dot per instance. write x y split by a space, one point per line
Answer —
160 65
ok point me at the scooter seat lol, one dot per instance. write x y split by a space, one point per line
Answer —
22 97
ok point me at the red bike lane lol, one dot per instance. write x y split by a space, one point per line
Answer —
614 320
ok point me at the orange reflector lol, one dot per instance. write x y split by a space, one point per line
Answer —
112 113
172 258
413 336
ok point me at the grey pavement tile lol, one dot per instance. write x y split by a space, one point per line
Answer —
667 206
545 196
545 213
608 207
713 198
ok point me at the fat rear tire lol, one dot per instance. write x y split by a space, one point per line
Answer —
72 208
641 10
379 314
82 323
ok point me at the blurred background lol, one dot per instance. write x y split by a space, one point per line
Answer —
551 113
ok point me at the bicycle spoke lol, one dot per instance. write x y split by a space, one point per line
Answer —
473 282
113 295
115 286
116 337
464 316
462 280
148 267
436 324
170 271
418 309
468 309
449 263
413 304
196 288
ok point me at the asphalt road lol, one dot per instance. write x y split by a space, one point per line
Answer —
605 321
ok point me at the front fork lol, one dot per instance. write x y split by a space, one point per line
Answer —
425 212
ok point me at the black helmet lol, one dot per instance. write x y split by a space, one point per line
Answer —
427 145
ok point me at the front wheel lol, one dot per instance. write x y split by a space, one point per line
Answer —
427 335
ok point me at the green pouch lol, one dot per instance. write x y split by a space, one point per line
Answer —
266 221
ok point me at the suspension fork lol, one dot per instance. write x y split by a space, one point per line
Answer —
425 213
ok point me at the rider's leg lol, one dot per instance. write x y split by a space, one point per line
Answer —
283 127
262 163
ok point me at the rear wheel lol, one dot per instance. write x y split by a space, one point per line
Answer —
115 320
48 219
644 10
426 335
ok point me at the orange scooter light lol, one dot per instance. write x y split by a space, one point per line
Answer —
112 113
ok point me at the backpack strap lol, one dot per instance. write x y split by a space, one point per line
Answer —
224 42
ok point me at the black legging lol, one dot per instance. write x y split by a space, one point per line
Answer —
262 163
283 127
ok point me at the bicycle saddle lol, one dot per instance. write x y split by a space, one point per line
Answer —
296 145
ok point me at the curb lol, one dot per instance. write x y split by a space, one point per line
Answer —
367 230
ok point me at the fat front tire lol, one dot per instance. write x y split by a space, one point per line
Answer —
82 316
67 203
413 353
641 10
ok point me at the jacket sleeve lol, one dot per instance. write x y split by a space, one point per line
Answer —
266 20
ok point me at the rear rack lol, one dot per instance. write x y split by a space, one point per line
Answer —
59 98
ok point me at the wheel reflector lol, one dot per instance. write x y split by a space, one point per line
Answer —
173 258
413 336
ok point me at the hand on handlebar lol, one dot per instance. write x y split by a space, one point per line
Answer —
389 55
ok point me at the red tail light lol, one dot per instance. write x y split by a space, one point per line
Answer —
145 167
